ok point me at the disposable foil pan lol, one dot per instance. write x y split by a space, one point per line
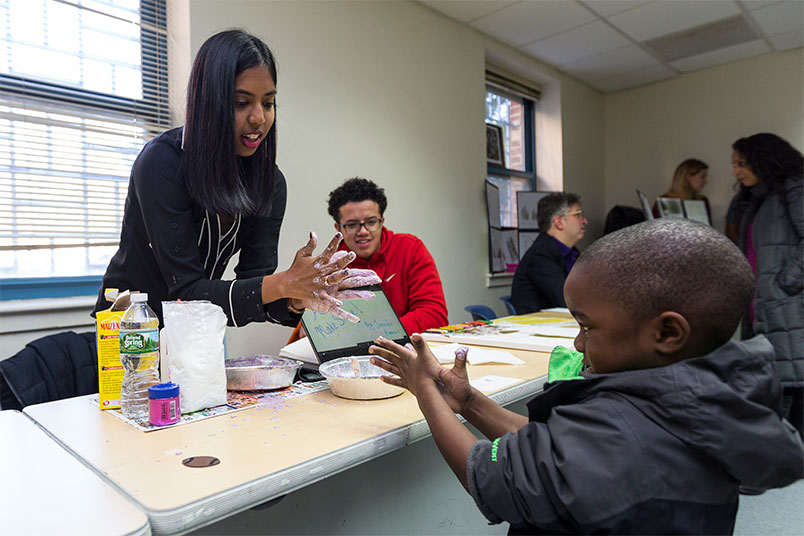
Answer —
356 378
260 372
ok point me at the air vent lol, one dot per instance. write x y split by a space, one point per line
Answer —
706 38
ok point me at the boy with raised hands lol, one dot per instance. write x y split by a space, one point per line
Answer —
668 420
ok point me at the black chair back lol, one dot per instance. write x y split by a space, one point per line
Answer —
58 366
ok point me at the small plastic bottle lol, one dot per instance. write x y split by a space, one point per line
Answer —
139 354
163 399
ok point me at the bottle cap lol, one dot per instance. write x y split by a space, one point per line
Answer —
139 297
163 390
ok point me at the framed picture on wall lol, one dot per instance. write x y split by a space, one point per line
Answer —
510 250
643 202
494 145
527 209
695 209
493 204
503 250
496 250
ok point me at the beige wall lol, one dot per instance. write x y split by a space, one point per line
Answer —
394 92
648 131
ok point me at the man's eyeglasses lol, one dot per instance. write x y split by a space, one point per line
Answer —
371 225
577 213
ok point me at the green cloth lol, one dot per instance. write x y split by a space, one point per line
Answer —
565 364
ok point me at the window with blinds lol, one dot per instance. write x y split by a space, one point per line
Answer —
510 105
83 86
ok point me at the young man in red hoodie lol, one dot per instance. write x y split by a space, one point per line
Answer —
407 270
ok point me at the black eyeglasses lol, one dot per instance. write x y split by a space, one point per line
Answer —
371 225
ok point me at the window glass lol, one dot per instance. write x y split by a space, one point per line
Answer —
82 89
509 113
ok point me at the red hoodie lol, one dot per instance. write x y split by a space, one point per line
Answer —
410 280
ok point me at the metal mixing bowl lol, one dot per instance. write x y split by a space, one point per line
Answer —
260 372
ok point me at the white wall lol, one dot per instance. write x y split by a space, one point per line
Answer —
394 92
648 131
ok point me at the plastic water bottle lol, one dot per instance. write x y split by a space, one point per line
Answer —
139 354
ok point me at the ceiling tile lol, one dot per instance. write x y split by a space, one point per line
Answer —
581 42
780 18
606 8
467 11
526 22
722 56
788 40
610 64
640 77
757 4
668 16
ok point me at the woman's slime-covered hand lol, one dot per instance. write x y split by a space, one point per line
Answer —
322 282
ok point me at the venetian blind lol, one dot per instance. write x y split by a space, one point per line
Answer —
83 85
499 77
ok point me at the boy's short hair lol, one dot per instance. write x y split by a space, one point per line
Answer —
552 205
355 190
674 264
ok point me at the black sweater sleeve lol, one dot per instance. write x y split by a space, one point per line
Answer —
163 218
259 253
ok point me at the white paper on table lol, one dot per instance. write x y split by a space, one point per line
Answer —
490 383
565 332
475 356
556 310
301 350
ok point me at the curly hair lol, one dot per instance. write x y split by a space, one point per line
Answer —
771 158
355 190
673 264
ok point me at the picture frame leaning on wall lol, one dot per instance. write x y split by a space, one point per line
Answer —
527 208
670 207
494 145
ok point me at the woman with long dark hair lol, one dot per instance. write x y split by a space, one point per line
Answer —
769 210
198 194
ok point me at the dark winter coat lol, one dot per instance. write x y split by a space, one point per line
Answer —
654 451
778 237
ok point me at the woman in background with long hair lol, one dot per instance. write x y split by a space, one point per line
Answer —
769 211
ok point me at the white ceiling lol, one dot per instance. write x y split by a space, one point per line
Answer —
615 44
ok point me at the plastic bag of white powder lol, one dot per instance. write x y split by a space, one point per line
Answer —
192 353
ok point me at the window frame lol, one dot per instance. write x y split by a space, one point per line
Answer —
153 17
529 143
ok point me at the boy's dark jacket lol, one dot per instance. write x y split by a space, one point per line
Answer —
656 451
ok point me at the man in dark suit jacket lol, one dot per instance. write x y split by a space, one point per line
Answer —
539 278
